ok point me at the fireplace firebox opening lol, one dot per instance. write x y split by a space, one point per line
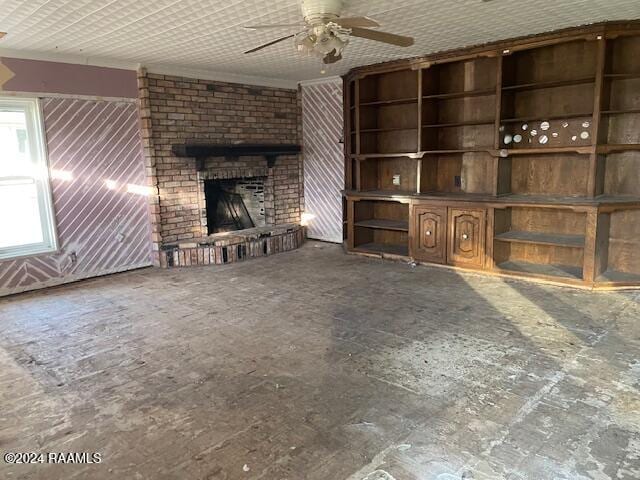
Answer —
234 204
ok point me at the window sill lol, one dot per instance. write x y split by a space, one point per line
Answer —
5 257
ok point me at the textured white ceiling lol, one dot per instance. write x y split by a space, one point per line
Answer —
206 35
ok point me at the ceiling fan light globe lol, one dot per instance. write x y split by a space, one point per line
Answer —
329 42
304 42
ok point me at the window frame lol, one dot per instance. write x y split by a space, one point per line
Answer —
42 178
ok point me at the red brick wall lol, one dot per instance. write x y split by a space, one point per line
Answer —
176 109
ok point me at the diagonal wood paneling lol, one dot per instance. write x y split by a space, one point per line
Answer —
323 159
102 227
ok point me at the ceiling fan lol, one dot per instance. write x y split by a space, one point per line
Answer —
325 34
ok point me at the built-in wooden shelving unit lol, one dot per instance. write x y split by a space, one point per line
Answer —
519 158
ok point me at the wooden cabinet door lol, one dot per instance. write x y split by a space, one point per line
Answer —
466 237
429 234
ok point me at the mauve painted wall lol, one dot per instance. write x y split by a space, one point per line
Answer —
35 76
106 229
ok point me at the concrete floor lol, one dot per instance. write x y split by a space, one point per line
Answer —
317 365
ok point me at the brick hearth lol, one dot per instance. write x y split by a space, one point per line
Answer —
230 247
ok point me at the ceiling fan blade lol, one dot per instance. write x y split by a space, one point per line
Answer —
384 37
331 57
2 34
269 44
264 27
350 22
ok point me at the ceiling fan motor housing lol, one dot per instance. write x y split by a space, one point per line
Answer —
316 12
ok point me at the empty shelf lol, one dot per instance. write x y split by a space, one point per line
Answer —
384 224
549 270
388 248
557 239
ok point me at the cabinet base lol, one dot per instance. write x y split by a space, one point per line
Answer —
603 283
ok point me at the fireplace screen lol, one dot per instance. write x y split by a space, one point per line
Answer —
234 204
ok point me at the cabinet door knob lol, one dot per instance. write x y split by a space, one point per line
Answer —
428 233
465 236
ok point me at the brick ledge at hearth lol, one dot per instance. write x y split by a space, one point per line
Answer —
234 246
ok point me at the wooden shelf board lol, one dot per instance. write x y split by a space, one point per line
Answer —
391 129
397 101
508 200
384 224
418 155
541 270
621 76
547 117
460 124
479 197
364 156
549 84
560 240
615 276
453 95
585 149
383 193
471 197
622 147
621 112
388 248
462 150
618 199
546 199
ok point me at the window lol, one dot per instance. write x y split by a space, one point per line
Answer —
26 214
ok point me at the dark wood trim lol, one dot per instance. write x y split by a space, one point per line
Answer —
594 171
356 102
576 204
201 151
496 132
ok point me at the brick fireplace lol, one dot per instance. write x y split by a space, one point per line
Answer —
178 110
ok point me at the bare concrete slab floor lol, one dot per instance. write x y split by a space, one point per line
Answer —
317 365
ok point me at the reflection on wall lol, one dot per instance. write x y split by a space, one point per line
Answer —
322 127
99 194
